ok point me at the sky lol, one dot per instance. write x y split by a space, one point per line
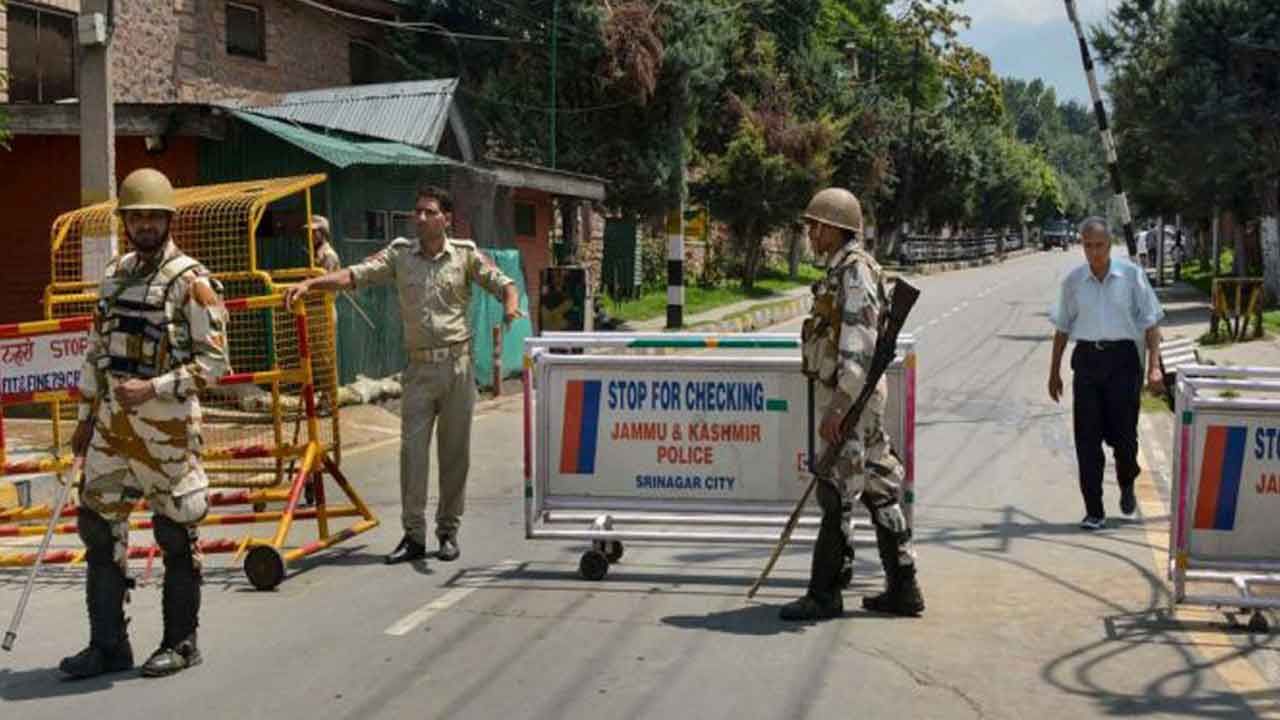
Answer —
1033 38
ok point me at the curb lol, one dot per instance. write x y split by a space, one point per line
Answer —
763 317
934 268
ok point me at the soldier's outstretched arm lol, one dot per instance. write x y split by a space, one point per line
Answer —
202 310
483 271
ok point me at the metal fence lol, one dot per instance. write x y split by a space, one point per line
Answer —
923 249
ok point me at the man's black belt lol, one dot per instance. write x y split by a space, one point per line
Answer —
1104 345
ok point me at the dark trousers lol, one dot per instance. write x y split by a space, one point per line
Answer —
1107 386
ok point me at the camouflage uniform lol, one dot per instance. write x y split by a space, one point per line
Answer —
435 297
839 342
160 319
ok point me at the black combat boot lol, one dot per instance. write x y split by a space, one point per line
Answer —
180 603
109 649
810 608
902 592
901 596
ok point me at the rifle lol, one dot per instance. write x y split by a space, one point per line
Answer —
900 304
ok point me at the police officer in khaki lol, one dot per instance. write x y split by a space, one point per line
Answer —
839 340
322 244
158 340
433 277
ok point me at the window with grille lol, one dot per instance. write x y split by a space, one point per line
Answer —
42 55
246 31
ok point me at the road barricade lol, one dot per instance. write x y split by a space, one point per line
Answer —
705 447
1226 488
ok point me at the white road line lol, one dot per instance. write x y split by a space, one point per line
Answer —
406 624
932 322
375 428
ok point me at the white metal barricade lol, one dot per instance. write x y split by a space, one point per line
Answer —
1225 487
688 447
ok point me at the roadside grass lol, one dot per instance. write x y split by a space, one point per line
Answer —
770 285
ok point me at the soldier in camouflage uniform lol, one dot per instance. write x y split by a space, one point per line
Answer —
839 339
433 276
158 339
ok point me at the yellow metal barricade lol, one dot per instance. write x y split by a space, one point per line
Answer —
271 426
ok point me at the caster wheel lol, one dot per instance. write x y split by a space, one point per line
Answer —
593 565
264 567
1258 623
259 507
613 551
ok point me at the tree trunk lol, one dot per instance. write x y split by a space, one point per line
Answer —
793 252
1269 231
751 261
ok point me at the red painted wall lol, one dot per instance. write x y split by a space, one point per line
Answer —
535 250
40 180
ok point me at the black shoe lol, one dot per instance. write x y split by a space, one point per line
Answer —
901 597
94 661
1091 522
449 550
167 661
1128 501
408 549
810 608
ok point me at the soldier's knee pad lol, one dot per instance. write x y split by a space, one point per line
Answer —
173 538
95 533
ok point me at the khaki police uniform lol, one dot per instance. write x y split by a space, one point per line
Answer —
327 259
439 384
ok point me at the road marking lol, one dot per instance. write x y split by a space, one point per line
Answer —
408 623
375 428
1236 671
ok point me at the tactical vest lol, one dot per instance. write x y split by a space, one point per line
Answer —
820 334
135 324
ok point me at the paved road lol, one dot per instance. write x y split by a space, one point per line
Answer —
1028 616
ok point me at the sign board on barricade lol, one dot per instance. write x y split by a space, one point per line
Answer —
1225 486
1234 495
38 363
712 447
689 428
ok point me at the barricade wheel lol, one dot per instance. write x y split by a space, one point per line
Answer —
613 551
594 565
264 567
1258 623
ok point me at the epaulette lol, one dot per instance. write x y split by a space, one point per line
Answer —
469 244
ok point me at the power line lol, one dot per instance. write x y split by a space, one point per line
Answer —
429 28
543 108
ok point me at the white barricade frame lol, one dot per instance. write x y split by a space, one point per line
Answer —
556 509
1220 440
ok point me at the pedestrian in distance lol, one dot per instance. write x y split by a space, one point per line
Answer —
1108 309
433 275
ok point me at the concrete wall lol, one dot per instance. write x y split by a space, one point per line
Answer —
176 51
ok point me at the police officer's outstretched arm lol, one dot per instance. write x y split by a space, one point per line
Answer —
201 310
482 271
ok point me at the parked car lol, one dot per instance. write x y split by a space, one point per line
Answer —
1057 234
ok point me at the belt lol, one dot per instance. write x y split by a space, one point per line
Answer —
1103 345
440 354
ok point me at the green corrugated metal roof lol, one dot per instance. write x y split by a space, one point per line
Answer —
341 152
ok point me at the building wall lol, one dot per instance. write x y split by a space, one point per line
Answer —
31 201
535 250
177 51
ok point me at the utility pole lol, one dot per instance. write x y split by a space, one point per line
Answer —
97 103
555 38
908 198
